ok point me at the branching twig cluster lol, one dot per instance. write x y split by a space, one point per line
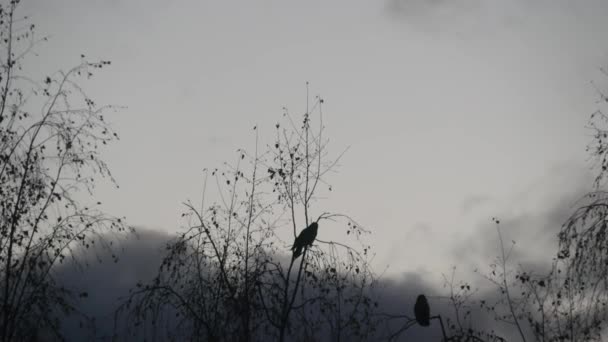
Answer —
50 135
229 275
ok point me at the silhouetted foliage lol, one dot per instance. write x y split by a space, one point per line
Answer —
50 135
239 270
568 301
229 275
561 304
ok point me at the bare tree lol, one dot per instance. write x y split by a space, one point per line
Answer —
569 300
50 133
230 275
563 303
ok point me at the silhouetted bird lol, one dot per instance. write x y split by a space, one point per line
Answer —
305 239
422 311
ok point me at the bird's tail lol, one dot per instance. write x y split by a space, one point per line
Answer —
297 251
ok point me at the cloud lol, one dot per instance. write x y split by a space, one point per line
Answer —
532 219
427 7
472 17
473 202
106 282
437 15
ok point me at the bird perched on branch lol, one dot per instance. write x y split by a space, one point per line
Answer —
422 311
305 239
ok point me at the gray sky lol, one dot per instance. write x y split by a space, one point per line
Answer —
455 111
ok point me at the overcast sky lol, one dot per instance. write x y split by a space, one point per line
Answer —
454 111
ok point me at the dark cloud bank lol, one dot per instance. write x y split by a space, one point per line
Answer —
106 282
